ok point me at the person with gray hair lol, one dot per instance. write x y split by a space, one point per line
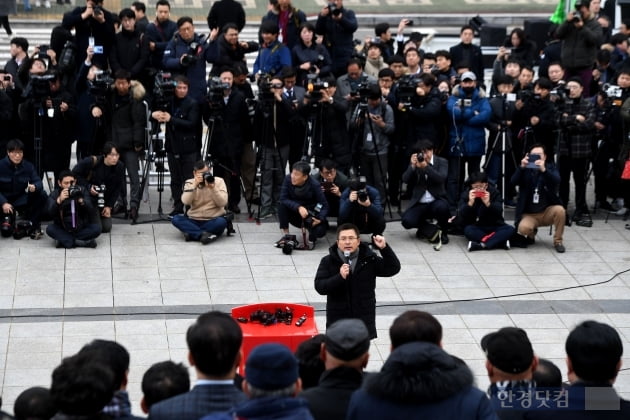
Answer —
271 385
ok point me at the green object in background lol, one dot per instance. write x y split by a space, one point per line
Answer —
561 12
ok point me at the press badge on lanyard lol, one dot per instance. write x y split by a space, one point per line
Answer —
536 196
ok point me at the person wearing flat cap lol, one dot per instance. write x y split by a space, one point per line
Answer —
510 363
345 355
271 385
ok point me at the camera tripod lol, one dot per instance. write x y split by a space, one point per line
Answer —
359 115
502 136
215 118
156 155
38 132
269 119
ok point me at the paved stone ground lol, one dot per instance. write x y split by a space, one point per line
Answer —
144 285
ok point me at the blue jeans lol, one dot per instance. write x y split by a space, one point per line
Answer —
502 233
67 239
193 228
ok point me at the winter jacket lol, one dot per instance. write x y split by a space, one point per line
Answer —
195 71
291 33
338 37
93 171
272 58
160 34
307 195
86 213
222 54
579 45
267 408
226 11
125 118
130 52
354 297
577 137
528 180
14 179
424 113
330 398
181 130
103 34
467 131
316 54
419 380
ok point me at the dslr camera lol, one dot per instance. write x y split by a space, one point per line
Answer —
420 156
195 50
334 10
75 191
208 177
359 185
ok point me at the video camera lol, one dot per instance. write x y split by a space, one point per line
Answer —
216 90
39 86
99 87
265 94
561 92
407 89
360 89
314 87
163 90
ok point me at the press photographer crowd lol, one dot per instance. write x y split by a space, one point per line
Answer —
322 126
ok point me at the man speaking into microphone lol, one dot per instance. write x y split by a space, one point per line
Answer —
347 276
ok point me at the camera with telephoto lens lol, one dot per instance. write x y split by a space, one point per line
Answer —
361 88
193 54
75 191
208 178
39 86
100 195
334 10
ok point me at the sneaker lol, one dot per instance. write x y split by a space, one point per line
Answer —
475 246
506 245
622 211
617 203
559 248
37 234
187 238
265 213
311 244
85 244
207 237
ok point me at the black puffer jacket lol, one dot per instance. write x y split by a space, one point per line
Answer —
354 297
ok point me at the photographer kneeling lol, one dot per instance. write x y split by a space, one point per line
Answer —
207 196
75 220
103 177
360 205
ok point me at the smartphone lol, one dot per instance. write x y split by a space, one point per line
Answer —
479 194
409 22
7 78
532 161
91 41
98 49
327 185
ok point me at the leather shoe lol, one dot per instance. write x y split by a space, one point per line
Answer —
559 248
133 214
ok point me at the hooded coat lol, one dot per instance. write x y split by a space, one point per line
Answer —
468 122
419 380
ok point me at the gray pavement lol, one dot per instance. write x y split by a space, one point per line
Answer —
143 285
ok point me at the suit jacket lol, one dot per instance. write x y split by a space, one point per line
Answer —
196 403
475 60
432 178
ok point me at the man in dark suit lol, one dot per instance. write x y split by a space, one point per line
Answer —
427 174
467 52
214 343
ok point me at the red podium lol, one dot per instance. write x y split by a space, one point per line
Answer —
291 336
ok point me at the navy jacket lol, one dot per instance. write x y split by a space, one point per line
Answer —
419 380
161 35
338 37
267 408
14 179
195 72
293 197
198 402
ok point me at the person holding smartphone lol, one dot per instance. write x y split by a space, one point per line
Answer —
481 212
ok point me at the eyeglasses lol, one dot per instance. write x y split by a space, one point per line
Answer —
347 238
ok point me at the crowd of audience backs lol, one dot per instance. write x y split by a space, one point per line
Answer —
326 378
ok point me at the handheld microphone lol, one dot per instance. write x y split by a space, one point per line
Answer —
347 255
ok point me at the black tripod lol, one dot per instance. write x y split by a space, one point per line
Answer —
359 114
38 131
312 122
156 154
502 135
215 118
268 111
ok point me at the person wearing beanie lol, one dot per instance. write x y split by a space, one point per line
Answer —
271 384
